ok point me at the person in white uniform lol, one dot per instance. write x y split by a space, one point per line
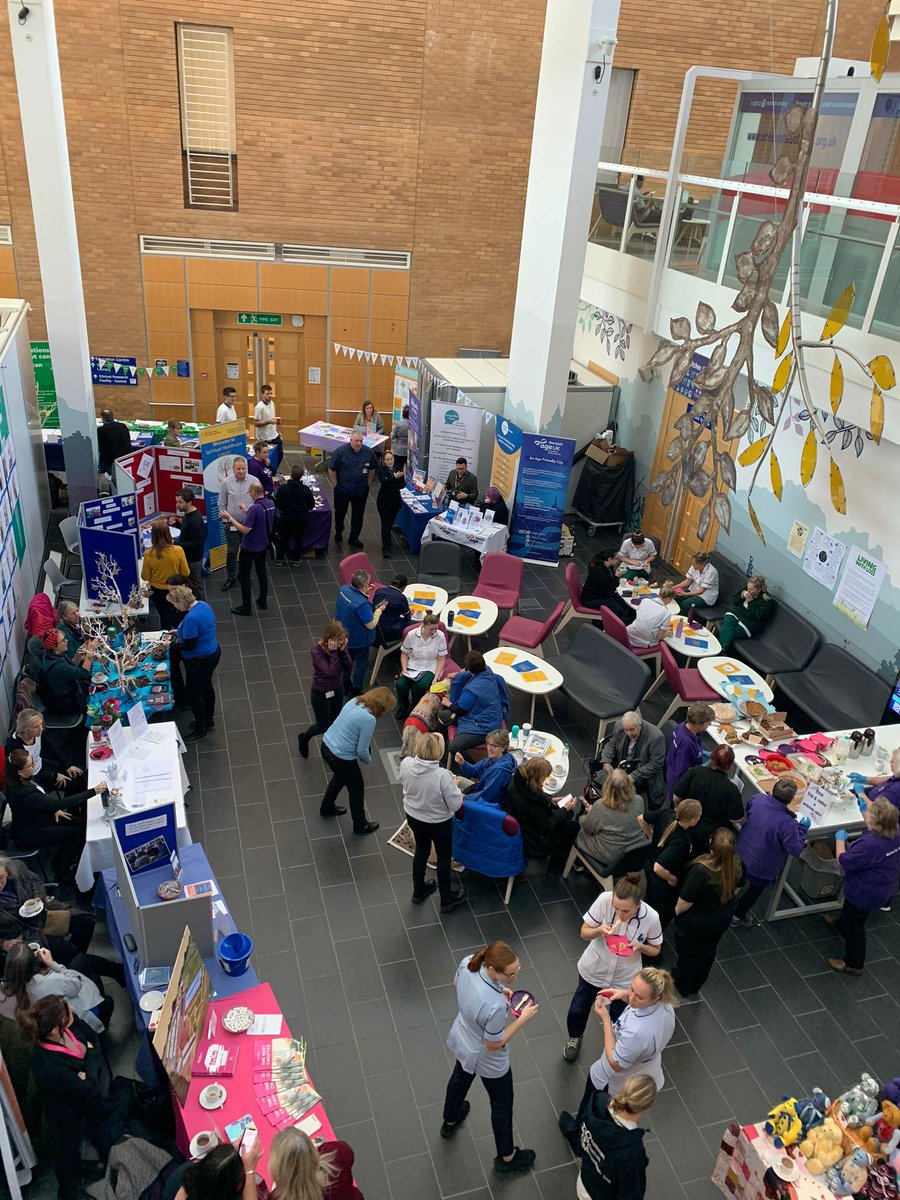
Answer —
651 624
636 556
479 1038
266 424
700 587
619 928
633 1044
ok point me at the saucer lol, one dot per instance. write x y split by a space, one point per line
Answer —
196 1151
31 908
151 1001
101 752
785 1168
212 1096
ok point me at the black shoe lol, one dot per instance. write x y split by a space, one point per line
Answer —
263 604
242 612
428 888
303 745
356 544
458 899
279 562
92 1171
566 1123
195 735
387 551
211 723
339 539
229 584
447 1131
295 562
522 1160
369 827
337 811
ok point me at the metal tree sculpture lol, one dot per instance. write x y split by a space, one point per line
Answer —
119 641
756 268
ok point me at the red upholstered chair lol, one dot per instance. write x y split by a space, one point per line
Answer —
356 562
686 682
618 631
531 635
575 610
450 667
501 580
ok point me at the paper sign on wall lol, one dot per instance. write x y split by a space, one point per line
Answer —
859 587
824 555
797 538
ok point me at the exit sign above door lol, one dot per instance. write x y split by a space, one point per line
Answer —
248 318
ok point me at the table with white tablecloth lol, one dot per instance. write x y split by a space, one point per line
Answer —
161 743
487 538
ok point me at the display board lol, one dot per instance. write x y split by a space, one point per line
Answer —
219 446
415 458
108 529
507 453
155 474
455 433
546 464
406 380
183 1016
12 539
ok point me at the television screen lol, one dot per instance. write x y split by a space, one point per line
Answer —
183 1017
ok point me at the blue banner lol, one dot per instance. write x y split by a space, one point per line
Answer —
414 456
544 469
114 372
220 445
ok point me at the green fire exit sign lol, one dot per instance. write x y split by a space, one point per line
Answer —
248 318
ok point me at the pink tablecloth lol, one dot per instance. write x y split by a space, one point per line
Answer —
240 1097
745 1156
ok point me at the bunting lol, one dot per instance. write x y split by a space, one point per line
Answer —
373 356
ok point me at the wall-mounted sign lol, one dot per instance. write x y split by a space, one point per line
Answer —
113 372
255 318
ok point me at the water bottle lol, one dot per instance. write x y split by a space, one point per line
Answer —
514 735
565 757
450 615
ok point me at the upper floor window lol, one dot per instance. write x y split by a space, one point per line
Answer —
208 132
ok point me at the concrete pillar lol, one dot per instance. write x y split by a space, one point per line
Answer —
576 61
39 87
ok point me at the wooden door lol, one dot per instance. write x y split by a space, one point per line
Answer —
247 359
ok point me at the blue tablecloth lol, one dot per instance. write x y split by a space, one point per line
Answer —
412 524
155 697
54 455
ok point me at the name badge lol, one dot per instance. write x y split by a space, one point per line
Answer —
329 695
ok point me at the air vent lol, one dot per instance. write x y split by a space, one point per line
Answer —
335 256
343 256
202 248
6 235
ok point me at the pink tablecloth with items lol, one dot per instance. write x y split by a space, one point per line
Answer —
240 1096
745 1156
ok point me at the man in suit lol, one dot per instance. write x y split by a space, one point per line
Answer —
638 748
113 440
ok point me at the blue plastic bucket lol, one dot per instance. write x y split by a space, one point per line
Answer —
234 953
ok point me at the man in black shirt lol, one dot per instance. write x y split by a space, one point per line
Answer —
193 537
113 440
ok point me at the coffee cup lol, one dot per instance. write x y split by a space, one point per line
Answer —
205 1141
34 947
31 908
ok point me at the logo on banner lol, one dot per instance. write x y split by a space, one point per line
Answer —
451 417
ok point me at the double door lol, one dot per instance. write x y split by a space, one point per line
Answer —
249 359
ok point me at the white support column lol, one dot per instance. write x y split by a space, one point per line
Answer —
576 61
39 87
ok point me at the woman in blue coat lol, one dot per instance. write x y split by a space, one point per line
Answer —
480 702
492 774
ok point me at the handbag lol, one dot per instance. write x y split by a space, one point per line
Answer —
57 922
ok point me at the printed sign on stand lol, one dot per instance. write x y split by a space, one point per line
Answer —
455 433
546 464
219 446
507 452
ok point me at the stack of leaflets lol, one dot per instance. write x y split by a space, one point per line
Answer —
215 1059
283 1091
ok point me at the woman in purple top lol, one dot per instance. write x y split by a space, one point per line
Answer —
331 663
770 833
258 467
871 869
686 748
886 786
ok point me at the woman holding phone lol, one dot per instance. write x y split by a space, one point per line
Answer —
479 1038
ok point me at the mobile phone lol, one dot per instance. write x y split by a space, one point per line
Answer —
236 1129
249 1140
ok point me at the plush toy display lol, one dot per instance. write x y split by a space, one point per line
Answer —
822 1147
892 1090
860 1104
850 1175
783 1123
886 1128
812 1110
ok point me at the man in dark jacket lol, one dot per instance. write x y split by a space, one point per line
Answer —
462 484
638 748
193 536
602 584
113 440
294 501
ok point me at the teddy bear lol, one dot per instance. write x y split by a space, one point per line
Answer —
783 1123
850 1175
892 1090
886 1128
860 1104
822 1147
812 1110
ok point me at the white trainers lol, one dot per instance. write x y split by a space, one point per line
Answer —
572 1049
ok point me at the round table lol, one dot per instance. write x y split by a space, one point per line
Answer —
424 598
707 643
641 591
526 673
718 673
472 616
553 754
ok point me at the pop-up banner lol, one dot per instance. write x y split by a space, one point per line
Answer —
455 433
415 458
406 380
219 446
544 470
507 452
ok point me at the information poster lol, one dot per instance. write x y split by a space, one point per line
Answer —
544 469
219 446
455 433
415 458
824 555
860 585
406 380
796 542
114 372
507 452
43 377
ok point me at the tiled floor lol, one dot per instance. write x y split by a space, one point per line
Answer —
367 977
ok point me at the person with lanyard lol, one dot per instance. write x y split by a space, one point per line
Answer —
61 685
492 774
768 837
601 587
330 663
871 869
266 425
494 504
878 786
462 485
632 1043
368 421
721 801
423 653
611 1143
294 501
355 612
351 470
173 429
257 536
226 411
260 467
199 648
636 555
686 747
479 1038
346 744
700 587
389 502
234 499
162 559
619 928
704 911
670 839
400 439
189 520
69 1072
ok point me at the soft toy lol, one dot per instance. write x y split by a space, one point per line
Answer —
822 1147
850 1175
860 1104
892 1090
812 1110
886 1128
783 1123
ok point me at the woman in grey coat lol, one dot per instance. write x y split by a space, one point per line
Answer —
610 827
430 798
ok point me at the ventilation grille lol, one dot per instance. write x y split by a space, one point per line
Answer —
271 252
6 235
342 255
207 116
201 248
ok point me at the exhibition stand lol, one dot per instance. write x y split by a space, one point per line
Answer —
412 520
109 537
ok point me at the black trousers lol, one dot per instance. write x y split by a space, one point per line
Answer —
440 834
357 506
749 898
345 773
324 710
620 607
291 529
500 1094
696 941
851 925
581 1004
572 1129
175 662
169 616
232 550
387 512
464 742
249 559
558 845
201 695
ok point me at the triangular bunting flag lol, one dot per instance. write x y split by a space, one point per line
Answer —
117 367
487 417
337 347
368 356
133 370
101 364
383 359
165 369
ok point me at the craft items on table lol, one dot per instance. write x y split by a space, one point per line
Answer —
135 667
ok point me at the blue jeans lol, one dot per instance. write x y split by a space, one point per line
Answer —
360 659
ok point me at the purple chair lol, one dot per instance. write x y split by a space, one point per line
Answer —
686 682
501 580
618 631
356 562
575 610
531 635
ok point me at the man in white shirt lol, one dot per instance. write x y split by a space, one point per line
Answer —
636 555
226 411
700 587
234 498
267 426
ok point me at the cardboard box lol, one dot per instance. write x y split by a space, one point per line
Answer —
607 455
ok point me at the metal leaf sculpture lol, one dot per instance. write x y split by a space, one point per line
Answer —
756 268
118 639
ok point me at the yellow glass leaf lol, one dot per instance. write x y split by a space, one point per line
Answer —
883 372
784 335
876 415
881 48
837 384
753 452
775 472
755 520
808 458
779 383
839 314
838 495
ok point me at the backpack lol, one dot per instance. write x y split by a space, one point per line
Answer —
133 1166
